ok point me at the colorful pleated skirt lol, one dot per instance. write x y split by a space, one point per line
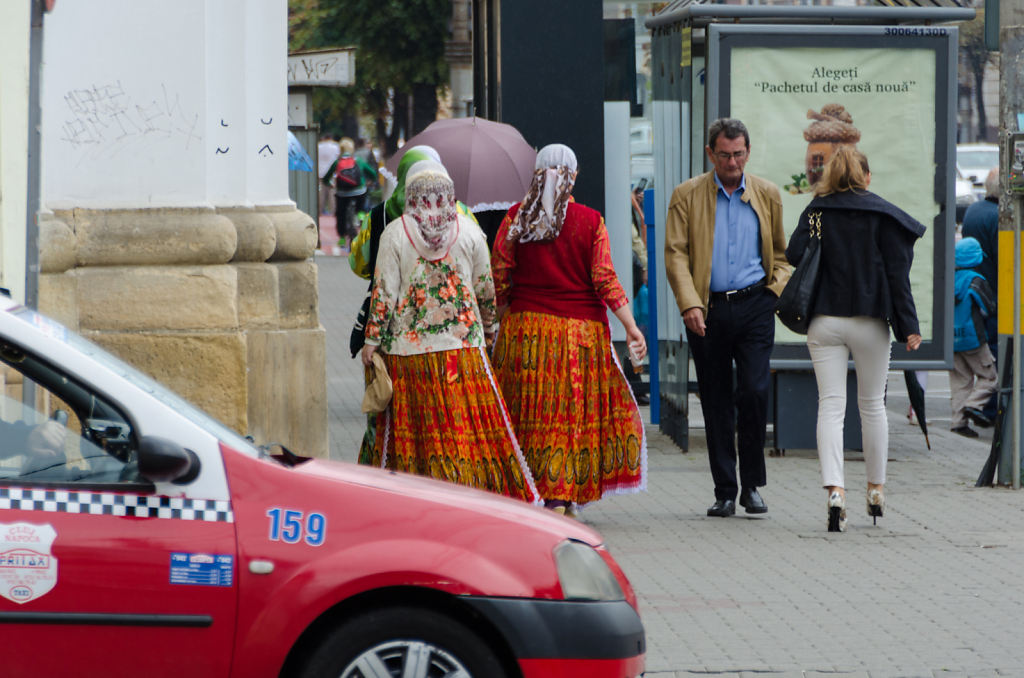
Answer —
447 420
571 407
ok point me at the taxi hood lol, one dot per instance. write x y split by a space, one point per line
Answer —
417 489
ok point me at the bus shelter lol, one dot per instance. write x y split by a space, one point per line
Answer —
782 70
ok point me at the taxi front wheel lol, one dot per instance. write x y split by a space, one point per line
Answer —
403 641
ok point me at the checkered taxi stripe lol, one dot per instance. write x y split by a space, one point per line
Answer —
113 504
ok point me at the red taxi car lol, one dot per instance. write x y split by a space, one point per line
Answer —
150 540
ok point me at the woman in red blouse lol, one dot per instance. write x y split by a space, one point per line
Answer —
571 408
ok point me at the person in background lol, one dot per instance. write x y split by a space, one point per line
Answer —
638 237
641 391
432 313
350 177
364 151
981 222
568 400
867 248
972 381
724 259
327 152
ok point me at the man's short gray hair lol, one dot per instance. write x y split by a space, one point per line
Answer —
730 127
992 183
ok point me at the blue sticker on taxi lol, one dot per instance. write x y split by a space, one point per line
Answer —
203 569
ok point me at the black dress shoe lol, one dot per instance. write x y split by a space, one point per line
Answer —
966 431
978 417
722 508
752 502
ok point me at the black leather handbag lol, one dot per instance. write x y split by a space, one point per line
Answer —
797 299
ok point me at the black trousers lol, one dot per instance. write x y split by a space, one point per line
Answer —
739 332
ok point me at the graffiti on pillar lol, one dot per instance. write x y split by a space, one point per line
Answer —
108 118
222 150
265 150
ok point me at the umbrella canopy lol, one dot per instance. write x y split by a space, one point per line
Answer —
916 394
298 159
490 162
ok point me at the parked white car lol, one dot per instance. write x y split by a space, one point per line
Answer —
975 161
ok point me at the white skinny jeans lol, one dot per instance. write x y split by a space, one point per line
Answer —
831 340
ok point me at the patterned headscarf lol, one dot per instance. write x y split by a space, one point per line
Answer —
395 203
542 211
430 200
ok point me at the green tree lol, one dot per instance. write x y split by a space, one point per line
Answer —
976 57
399 61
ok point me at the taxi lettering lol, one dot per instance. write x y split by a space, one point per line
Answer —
287 525
23 558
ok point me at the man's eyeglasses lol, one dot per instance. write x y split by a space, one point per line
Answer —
726 157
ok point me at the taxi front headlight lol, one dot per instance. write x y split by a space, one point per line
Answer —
583 573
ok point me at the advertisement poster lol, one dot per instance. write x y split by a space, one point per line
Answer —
799 102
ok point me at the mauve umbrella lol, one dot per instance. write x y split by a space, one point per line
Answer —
916 393
490 162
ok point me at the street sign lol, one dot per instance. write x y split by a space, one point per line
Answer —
322 68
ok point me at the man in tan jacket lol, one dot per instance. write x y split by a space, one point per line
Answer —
725 260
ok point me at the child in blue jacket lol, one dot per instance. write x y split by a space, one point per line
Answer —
972 380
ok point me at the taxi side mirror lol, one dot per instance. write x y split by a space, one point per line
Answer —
163 460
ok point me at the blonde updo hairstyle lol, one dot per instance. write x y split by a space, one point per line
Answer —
847 170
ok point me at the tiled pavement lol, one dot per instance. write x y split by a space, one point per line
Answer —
933 590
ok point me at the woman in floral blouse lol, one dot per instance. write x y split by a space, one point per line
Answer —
571 407
431 312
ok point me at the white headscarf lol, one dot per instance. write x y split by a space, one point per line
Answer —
542 211
391 181
430 202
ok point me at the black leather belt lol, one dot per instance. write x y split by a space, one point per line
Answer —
739 295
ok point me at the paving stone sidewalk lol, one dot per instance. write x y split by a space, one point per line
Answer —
933 590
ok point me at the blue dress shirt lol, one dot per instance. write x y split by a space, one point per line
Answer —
736 254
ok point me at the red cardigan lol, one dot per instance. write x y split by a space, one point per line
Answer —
571 276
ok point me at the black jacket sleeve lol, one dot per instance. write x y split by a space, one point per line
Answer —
897 246
798 241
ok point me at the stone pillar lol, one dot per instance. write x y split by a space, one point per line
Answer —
15 18
172 241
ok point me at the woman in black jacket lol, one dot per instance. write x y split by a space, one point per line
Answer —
867 247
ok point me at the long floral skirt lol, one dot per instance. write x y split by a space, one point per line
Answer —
447 420
571 408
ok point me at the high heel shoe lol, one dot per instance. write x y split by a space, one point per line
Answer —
876 503
836 512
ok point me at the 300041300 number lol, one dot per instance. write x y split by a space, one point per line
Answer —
914 31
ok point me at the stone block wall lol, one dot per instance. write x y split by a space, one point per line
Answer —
219 305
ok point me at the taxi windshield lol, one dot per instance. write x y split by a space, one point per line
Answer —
55 330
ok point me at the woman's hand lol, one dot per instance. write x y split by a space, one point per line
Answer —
368 351
913 342
637 342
